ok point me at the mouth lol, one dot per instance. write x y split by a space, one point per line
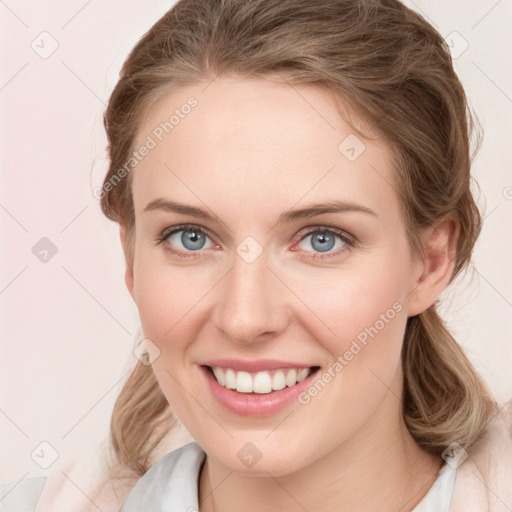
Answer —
262 382
257 393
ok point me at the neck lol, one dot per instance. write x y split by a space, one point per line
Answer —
379 468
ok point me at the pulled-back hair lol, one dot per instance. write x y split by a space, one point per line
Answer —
389 63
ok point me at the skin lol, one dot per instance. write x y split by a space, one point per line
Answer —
249 151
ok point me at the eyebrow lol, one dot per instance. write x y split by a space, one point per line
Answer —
285 217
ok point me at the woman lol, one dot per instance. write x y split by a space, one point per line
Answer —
297 196
292 184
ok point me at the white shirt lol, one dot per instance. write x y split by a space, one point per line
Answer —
171 485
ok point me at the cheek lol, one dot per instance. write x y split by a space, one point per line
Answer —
367 312
358 303
366 308
167 294
167 299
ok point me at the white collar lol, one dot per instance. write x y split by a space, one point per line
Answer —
171 485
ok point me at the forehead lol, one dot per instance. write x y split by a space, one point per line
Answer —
255 142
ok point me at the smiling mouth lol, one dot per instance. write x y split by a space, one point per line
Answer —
262 383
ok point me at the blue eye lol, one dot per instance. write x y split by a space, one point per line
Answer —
324 240
191 239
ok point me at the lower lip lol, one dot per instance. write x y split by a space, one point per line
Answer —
248 404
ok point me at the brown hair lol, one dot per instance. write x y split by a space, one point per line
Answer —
397 70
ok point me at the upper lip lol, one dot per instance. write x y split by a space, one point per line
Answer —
255 365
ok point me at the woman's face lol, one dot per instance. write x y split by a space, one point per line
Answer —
293 257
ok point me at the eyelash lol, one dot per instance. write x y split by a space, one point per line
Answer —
347 239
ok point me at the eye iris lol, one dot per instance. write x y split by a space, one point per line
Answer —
192 239
325 240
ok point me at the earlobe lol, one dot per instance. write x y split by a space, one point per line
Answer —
433 272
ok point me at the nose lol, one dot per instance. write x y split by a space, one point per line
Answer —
251 302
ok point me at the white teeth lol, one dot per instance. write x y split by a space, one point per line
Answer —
278 380
261 382
244 382
302 374
291 378
219 375
230 379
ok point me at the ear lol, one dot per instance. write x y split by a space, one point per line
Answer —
433 271
128 275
